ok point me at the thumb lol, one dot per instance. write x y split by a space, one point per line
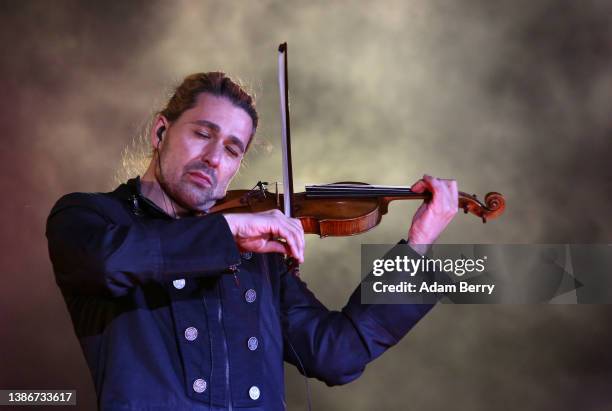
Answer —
419 186
273 246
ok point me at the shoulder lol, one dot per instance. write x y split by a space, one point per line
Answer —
77 199
87 200
100 203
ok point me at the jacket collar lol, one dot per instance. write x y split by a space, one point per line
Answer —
131 192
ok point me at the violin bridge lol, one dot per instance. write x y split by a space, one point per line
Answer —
263 185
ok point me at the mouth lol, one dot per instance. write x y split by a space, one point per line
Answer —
200 178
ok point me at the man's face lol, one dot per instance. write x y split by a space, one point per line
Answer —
202 150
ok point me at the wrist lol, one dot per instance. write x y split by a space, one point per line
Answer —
231 222
418 247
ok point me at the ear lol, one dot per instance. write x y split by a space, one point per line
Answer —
160 124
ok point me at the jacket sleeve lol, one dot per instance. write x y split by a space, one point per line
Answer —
336 346
93 255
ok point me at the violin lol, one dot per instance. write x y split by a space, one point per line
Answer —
344 209
338 209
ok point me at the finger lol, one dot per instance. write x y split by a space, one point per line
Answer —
439 193
286 245
300 233
294 225
445 195
284 230
424 184
283 227
297 223
298 237
452 188
454 193
450 183
419 186
274 246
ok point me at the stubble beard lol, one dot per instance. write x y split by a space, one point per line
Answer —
179 187
189 195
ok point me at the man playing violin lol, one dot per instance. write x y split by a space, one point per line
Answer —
176 308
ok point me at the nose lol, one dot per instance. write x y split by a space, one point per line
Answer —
212 154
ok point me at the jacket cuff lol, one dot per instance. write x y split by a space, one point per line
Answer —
206 245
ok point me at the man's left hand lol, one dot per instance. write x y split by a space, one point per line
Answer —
434 215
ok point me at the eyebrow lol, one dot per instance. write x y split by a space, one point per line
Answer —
215 127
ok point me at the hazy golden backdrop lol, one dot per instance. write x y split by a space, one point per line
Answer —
511 96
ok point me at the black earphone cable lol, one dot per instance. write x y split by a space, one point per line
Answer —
164 195
299 360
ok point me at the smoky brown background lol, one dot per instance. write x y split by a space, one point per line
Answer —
508 96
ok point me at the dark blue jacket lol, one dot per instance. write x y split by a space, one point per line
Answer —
170 315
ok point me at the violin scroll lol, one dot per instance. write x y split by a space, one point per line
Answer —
494 205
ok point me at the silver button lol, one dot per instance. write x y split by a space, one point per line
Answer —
250 295
191 333
200 385
247 255
179 284
252 343
254 392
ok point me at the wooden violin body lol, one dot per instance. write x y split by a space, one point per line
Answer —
343 215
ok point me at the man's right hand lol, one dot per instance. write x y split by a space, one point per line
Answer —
268 232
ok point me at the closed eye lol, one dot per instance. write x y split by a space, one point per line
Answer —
202 134
233 152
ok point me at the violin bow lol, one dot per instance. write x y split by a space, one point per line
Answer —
283 88
493 206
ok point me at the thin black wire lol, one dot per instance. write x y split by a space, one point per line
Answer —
308 399
162 176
